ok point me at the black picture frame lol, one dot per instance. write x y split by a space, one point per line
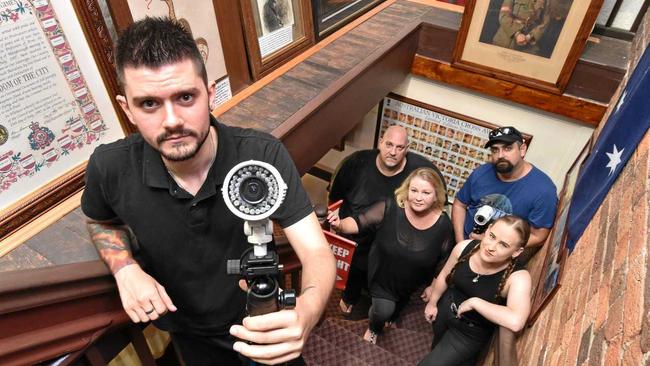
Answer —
327 20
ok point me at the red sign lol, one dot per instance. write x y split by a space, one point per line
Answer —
343 250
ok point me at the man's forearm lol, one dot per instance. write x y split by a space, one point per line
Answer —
318 265
537 237
318 277
113 244
458 213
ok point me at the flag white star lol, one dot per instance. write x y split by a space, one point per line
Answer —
614 159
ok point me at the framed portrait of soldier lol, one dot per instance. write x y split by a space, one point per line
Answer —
530 42
455 143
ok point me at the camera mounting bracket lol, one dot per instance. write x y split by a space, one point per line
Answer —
259 233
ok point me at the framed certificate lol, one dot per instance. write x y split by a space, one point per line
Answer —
54 108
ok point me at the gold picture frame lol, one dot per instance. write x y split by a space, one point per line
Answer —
530 42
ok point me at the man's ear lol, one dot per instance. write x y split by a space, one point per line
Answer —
523 149
212 91
121 100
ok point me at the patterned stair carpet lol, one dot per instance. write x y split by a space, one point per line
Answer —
338 340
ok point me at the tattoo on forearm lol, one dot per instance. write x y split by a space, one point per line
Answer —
112 243
307 289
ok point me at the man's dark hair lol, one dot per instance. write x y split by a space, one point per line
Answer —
154 42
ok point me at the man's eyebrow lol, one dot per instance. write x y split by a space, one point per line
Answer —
140 98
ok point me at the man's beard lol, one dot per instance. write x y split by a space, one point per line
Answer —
503 166
181 152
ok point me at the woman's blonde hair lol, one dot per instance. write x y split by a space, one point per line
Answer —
429 175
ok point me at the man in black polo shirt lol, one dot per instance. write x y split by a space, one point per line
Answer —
164 183
362 179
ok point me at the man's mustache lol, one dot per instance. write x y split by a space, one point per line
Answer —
174 134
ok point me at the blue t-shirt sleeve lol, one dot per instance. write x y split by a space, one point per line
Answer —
464 194
543 211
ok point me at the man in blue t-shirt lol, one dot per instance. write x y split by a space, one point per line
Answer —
509 184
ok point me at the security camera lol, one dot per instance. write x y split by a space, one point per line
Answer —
253 190
484 216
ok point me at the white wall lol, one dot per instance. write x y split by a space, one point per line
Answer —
557 141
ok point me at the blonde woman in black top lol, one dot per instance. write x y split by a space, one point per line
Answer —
413 237
480 286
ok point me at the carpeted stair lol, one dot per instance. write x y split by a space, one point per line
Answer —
337 340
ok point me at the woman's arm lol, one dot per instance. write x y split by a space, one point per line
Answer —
515 313
446 247
439 284
345 226
369 219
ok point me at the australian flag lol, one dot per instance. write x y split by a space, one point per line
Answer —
623 131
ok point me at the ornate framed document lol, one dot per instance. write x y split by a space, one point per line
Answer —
54 108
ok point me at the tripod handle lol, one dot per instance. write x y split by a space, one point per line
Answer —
264 297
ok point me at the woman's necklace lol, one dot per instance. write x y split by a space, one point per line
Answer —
478 275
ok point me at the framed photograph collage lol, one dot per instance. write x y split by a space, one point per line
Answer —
454 142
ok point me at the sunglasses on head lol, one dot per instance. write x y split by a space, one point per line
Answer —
504 131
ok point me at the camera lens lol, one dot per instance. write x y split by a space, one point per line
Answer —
252 190
480 220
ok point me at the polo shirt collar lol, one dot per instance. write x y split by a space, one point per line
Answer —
155 173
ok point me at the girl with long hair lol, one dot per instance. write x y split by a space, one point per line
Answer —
413 238
481 286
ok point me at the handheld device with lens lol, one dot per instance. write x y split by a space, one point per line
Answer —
253 190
